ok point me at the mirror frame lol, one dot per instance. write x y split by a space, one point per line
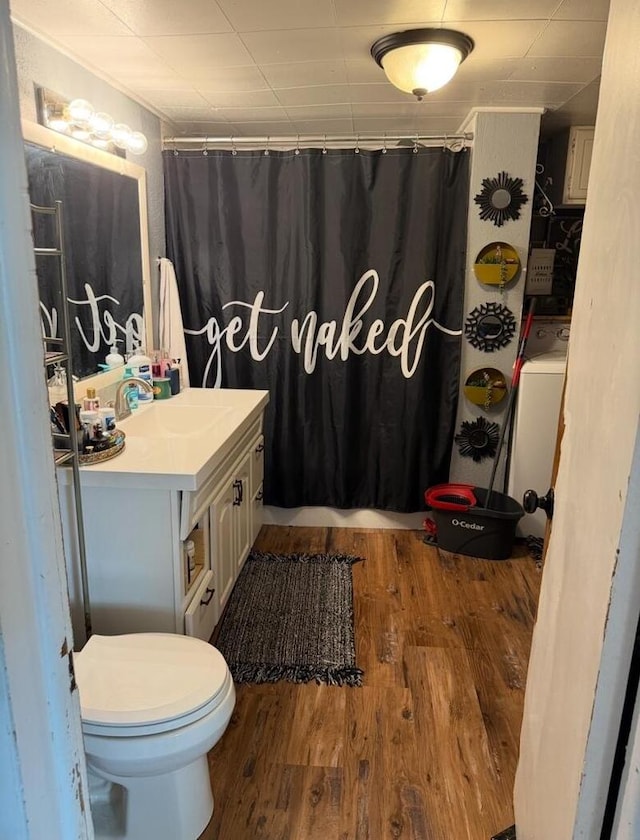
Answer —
38 135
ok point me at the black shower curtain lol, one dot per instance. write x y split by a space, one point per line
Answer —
335 281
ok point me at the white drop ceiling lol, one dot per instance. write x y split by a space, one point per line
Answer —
276 67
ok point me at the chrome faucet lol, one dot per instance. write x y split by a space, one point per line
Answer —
121 406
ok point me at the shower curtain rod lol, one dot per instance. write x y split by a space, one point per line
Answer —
294 140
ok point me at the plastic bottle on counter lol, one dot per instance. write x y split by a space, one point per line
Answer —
91 402
132 391
114 359
140 365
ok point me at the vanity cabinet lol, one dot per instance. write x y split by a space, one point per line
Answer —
136 531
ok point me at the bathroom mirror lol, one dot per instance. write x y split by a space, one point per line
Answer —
106 251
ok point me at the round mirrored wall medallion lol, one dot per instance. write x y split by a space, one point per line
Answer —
485 387
490 326
501 198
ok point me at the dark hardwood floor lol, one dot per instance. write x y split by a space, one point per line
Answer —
427 748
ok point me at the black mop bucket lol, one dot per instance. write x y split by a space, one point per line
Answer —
465 526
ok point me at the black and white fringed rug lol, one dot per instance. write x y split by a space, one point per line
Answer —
290 617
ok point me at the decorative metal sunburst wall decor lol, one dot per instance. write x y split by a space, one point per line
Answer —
501 198
478 439
490 326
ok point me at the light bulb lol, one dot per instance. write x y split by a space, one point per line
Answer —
137 143
100 142
80 111
120 134
58 122
81 134
101 125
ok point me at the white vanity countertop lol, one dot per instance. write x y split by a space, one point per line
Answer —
177 443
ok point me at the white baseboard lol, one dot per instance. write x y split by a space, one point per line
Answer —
325 517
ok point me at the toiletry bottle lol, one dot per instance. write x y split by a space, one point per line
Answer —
114 359
132 391
91 402
140 365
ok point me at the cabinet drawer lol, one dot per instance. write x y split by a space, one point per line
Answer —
202 613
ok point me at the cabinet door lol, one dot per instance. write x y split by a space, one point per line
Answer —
578 165
244 527
223 540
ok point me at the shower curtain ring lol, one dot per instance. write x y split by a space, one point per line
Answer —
205 151
444 145
266 150
384 144
297 151
415 145
234 151
357 148
324 145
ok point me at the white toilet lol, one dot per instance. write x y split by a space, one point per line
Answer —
152 705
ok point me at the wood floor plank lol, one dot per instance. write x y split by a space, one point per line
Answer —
427 748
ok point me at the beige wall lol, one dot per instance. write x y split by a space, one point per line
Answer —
557 794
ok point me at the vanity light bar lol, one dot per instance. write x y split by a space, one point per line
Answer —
77 118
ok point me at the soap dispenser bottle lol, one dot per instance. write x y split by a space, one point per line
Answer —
114 359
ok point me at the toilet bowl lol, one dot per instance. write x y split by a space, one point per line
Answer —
152 706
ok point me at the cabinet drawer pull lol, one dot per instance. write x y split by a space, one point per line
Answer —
208 596
260 448
238 488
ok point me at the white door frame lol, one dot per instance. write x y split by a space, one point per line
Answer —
43 787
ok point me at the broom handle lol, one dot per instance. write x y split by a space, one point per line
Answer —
515 378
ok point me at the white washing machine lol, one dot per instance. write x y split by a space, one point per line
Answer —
535 422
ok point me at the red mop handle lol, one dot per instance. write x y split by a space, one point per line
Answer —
519 361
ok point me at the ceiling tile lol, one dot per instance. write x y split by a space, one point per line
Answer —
417 110
164 99
363 12
579 10
186 52
364 71
476 69
570 38
384 125
576 70
137 79
304 73
463 10
385 92
68 17
263 128
178 113
318 112
232 98
439 125
317 95
504 39
320 127
251 16
166 17
284 46
240 114
115 55
236 79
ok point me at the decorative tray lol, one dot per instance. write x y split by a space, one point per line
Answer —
115 448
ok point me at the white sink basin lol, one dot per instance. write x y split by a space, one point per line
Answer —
164 420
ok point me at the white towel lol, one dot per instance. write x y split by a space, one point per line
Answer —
171 332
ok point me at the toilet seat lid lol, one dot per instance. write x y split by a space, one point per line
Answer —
146 678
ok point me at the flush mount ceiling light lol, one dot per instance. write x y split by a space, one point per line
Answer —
420 61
